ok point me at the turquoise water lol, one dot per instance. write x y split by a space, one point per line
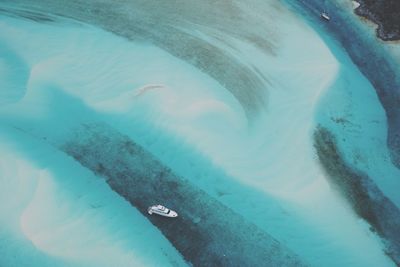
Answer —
223 116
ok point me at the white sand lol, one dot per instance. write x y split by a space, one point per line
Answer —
182 116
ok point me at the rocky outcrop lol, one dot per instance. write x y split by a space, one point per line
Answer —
385 13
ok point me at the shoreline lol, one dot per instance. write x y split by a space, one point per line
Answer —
357 46
350 34
385 14
376 62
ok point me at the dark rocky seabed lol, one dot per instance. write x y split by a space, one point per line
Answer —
203 237
382 71
356 187
361 192
385 13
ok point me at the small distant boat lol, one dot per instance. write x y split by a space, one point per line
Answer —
325 16
161 210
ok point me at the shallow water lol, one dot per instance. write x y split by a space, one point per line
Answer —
227 110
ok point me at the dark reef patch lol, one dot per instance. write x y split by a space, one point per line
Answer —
370 57
360 191
385 13
206 233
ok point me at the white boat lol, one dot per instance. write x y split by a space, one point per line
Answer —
161 210
325 16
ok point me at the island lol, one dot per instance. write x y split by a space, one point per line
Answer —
385 13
